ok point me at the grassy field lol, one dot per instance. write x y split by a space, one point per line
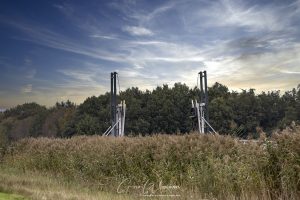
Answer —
6 196
162 166
33 185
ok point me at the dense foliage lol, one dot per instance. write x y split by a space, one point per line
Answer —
163 110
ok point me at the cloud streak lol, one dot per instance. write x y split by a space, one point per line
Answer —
107 37
27 88
138 31
48 38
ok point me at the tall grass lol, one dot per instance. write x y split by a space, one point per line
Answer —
207 166
34 186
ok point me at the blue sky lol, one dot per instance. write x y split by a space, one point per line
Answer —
58 50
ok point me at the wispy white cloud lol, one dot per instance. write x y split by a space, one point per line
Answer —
131 10
145 18
138 31
60 7
27 88
86 75
265 71
107 37
239 43
85 21
80 75
49 38
154 50
237 13
290 72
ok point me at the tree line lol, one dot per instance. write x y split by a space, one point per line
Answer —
163 110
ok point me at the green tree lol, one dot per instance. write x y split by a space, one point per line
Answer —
221 115
246 111
25 110
136 116
271 110
88 125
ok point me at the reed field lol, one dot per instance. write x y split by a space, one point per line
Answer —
162 166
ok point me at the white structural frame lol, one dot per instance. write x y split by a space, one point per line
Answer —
120 124
120 116
199 108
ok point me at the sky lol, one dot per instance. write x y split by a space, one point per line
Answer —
54 50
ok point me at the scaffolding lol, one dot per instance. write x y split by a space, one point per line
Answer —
118 111
201 108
